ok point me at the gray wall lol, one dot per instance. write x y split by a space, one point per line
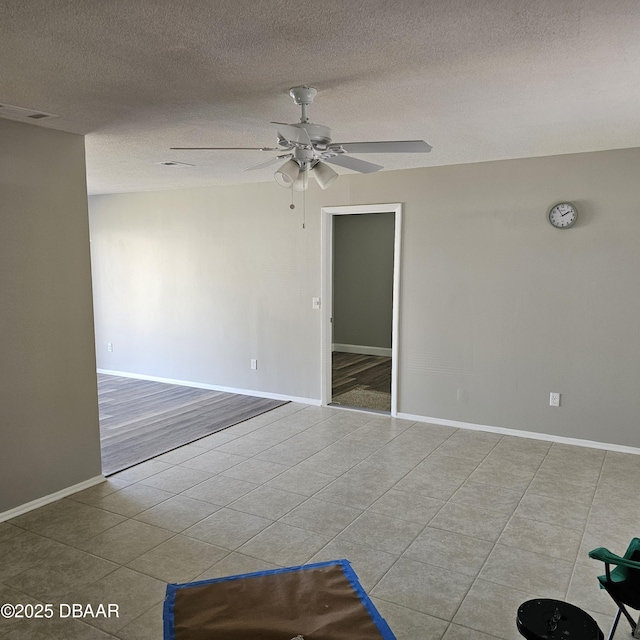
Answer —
49 437
192 284
497 308
363 279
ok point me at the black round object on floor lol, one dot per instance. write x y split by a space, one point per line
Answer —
544 619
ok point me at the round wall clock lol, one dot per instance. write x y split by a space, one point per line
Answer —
563 215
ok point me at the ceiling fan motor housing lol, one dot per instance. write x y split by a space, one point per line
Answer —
318 133
303 95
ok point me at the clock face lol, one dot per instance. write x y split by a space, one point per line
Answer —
563 215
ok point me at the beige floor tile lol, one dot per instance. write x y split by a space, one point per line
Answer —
227 528
66 628
12 596
67 521
491 498
430 483
297 480
571 490
516 463
487 475
60 574
421 432
473 445
528 571
284 545
141 471
248 445
288 452
541 537
461 484
537 449
351 491
321 516
369 564
448 550
133 499
181 454
213 462
411 584
571 469
491 609
376 472
407 506
582 456
125 541
25 550
333 460
177 513
407 624
377 433
470 521
382 532
256 471
457 632
177 479
8 531
448 465
220 490
584 591
267 502
94 494
563 513
235 564
179 559
133 592
148 626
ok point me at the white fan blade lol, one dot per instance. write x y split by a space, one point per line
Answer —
293 134
268 163
354 164
224 149
392 146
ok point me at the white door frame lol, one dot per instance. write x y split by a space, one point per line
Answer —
327 291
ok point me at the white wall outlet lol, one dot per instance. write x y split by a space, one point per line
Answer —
254 364
554 399
109 346
315 303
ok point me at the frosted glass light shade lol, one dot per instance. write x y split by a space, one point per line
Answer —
324 175
287 174
301 182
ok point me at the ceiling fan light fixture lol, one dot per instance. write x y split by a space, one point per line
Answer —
287 174
325 176
301 183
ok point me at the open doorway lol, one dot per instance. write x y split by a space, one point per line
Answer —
360 269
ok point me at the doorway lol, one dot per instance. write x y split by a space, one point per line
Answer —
373 354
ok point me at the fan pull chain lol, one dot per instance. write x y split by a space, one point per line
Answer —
304 209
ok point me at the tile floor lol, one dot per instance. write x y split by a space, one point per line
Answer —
449 530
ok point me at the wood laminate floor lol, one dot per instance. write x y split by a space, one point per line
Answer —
140 419
351 370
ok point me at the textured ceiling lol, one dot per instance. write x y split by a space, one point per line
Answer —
478 79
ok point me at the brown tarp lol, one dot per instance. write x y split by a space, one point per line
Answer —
318 603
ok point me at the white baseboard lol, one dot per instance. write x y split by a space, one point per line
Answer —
362 349
533 435
214 387
52 497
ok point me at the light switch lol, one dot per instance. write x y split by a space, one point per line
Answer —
315 303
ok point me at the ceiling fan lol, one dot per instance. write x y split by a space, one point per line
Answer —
306 148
